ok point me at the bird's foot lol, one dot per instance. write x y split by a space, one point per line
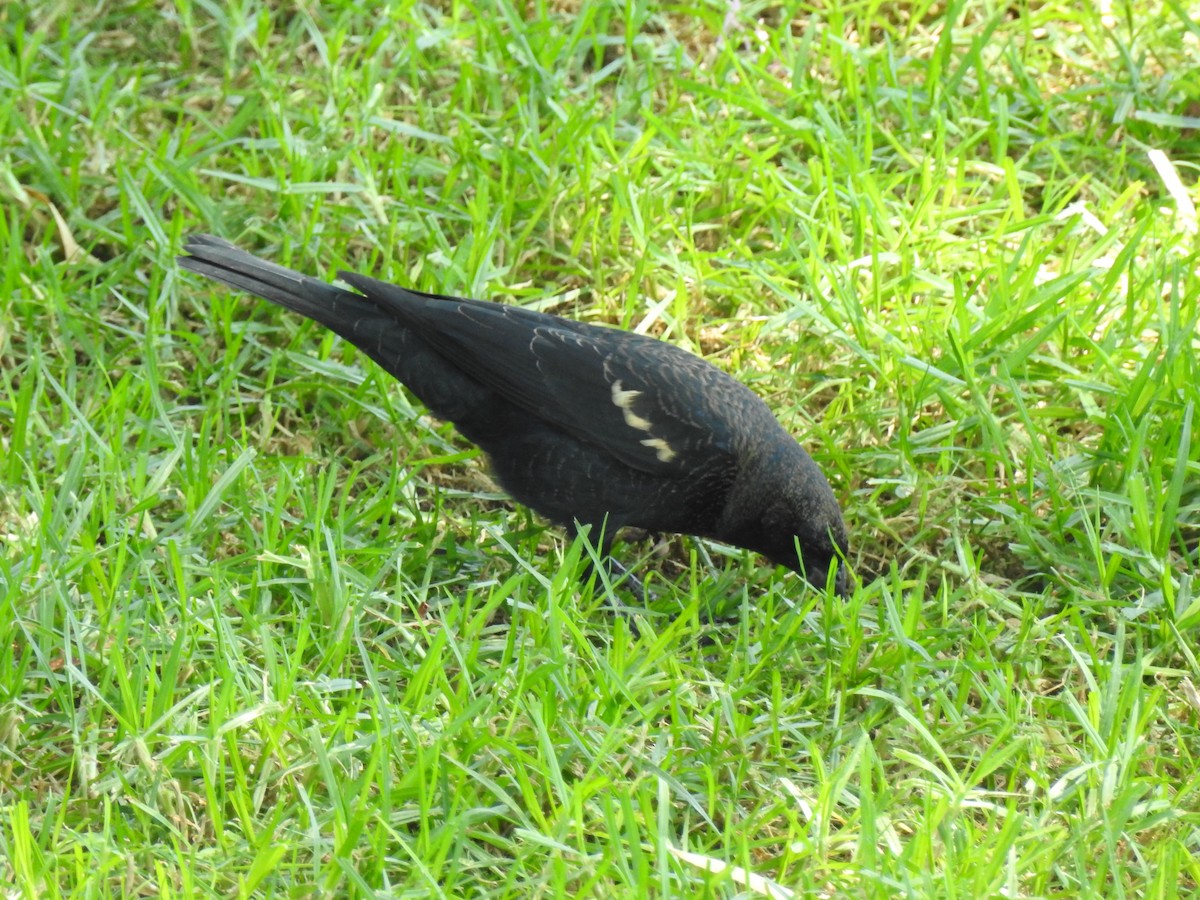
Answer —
621 578
617 581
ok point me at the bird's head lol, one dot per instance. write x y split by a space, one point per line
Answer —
784 508
804 532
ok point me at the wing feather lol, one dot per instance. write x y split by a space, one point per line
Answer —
655 407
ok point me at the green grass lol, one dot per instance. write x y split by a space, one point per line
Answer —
269 630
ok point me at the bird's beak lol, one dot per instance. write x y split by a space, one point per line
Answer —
841 582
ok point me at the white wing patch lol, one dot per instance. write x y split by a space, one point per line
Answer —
624 401
661 448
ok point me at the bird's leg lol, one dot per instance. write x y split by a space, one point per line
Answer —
618 575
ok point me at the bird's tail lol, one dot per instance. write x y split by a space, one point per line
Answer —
372 327
334 307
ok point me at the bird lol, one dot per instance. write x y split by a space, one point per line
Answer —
595 428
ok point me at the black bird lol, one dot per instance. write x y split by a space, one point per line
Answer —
587 425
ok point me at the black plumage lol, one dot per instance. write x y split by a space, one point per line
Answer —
585 424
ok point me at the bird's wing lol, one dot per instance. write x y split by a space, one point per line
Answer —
655 407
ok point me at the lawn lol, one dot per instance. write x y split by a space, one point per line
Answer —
270 630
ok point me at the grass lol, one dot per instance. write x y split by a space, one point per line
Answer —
269 630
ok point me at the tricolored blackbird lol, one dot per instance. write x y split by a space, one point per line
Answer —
587 425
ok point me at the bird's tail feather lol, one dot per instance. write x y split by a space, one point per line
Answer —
370 326
334 307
